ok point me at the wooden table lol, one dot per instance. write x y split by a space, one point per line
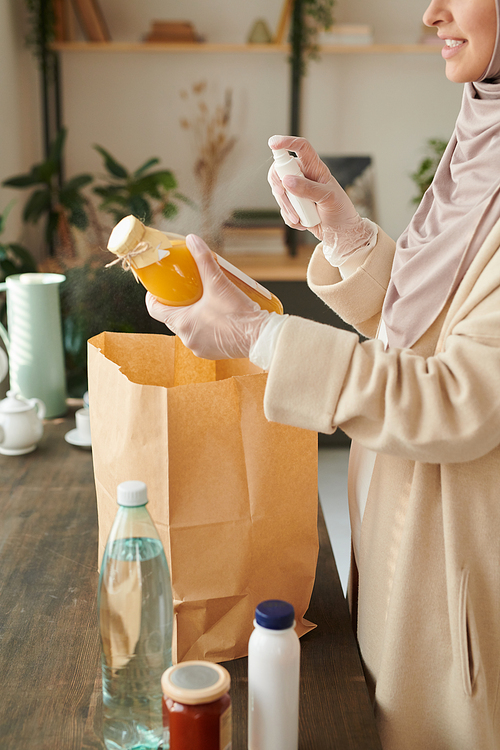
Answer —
50 690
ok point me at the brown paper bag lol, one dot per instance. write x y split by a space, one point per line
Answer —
234 497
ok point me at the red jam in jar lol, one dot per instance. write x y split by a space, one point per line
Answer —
196 706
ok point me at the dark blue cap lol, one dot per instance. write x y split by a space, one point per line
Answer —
275 614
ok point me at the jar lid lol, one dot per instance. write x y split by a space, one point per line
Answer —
194 682
126 235
14 403
275 614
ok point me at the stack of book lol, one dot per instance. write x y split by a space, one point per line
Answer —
254 233
172 32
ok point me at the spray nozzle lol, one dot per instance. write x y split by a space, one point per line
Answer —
279 153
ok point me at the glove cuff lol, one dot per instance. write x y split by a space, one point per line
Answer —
341 242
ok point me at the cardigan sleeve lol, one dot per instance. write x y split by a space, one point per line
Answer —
358 299
439 409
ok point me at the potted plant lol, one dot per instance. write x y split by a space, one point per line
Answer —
14 258
93 298
424 174
309 17
61 203
144 192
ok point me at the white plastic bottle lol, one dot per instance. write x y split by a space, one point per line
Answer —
273 678
306 209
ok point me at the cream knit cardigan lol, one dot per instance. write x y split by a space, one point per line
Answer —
428 599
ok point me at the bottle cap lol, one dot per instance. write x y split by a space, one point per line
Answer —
126 235
132 494
275 614
194 682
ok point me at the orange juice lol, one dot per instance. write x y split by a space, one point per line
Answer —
173 280
164 265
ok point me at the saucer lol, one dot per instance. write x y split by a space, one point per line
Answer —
74 438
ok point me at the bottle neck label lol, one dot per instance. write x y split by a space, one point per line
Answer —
243 277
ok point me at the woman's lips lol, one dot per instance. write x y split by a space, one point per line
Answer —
452 47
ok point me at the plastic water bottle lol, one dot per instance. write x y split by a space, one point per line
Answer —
273 678
135 619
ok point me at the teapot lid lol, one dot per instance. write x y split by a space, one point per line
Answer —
14 403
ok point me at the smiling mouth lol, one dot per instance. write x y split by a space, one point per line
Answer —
452 47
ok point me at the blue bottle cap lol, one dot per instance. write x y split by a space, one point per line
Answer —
275 614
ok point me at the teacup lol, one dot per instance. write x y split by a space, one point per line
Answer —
82 419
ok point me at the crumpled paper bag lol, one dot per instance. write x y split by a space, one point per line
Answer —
233 496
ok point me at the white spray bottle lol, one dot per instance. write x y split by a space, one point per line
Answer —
306 209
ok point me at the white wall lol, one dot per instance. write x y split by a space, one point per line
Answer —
20 138
386 106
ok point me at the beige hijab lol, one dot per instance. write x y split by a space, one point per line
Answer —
455 216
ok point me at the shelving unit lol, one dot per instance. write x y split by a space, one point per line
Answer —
204 48
262 267
273 267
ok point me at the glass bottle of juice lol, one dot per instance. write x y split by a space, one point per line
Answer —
164 265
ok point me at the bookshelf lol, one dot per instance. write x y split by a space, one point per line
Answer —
273 267
392 52
207 48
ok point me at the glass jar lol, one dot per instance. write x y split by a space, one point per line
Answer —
161 261
196 706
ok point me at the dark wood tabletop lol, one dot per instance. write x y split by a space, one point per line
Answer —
50 685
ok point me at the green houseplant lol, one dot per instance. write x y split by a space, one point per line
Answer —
14 258
146 193
309 17
424 174
62 204
93 298
96 298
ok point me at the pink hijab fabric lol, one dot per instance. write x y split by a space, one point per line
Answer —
455 216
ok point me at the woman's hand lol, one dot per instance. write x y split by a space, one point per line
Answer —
342 230
318 184
224 323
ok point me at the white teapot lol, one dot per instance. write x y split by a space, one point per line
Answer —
21 425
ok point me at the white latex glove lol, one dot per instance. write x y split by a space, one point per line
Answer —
224 323
342 229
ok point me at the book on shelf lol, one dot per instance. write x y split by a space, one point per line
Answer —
60 20
92 20
172 31
64 21
284 22
336 34
346 34
256 232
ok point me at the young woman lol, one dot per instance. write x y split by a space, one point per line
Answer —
420 400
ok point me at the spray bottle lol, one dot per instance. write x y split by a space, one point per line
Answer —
306 209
